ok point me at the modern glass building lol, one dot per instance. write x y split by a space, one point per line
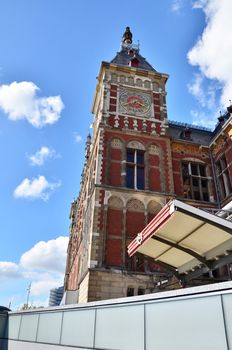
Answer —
55 296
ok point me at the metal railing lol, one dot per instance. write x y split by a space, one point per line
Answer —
223 213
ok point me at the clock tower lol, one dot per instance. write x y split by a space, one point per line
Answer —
127 179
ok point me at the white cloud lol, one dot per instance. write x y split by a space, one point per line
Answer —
177 5
204 92
199 4
42 155
196 89
45 283
42 266
212 53
201 118
78 138
19 101
9 270
47 256
38 188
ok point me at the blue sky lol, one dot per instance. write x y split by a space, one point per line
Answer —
50 57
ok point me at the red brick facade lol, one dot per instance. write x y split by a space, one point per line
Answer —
134 165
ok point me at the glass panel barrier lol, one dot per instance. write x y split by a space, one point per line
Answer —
13 326
78 328
28 327
191 324
120 328
227 307
49 328
183 322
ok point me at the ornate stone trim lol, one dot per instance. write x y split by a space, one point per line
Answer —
135 145
153 207
115 202
195 160
135 205
116 121
154 149
116 143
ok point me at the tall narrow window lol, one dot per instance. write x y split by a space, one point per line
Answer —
223 178
195 181
141 291
135 169
130 291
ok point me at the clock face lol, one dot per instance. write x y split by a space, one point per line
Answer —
134 103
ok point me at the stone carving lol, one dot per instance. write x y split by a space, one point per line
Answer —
115 202
135 205
188 149
144 127
135 124
164 127
126 122
154 149
153 129
116 121
135 145
153 207
116 143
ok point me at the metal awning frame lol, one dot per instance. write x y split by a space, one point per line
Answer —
162 218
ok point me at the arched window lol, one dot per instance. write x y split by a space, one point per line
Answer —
131 81
130 291
139 82
115 156
225 187
147 84
122 79
195 180
114 78
135 165
155 86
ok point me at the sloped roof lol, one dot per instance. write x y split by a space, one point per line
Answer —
122 58
199 135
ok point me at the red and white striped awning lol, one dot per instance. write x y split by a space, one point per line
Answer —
183 238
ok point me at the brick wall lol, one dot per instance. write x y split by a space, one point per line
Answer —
157 166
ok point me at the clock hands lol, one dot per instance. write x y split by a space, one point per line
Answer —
134 103
138 104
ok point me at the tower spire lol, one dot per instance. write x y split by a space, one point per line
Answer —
127 36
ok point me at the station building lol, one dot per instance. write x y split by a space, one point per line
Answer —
136 161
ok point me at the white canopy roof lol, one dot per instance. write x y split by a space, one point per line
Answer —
184 239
